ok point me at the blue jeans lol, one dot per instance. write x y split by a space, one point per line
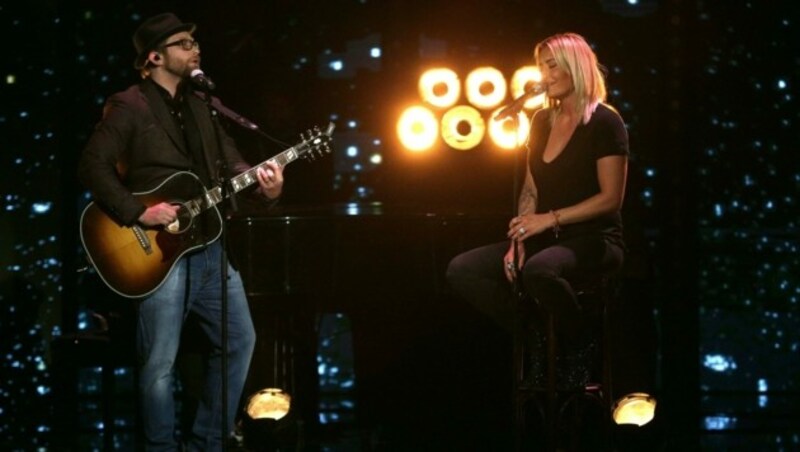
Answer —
160 320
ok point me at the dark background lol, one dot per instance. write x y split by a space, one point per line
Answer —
708 90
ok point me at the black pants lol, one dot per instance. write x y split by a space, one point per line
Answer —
478 276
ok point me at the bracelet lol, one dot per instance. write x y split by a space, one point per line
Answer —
557 225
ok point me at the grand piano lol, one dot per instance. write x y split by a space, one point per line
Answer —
382 267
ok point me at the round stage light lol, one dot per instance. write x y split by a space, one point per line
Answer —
507 133
486 87
417 128
463 127
637 408
269 423
522 80
269 403
440 87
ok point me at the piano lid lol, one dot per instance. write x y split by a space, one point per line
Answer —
347 252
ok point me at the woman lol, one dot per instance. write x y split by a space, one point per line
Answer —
568 226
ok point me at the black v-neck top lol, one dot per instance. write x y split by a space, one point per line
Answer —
572 176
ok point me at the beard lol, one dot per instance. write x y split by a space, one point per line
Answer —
180 68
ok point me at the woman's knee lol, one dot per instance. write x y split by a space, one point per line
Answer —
538 271
457 268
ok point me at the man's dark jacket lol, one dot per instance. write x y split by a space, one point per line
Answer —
137 145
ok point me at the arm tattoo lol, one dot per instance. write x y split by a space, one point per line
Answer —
527 199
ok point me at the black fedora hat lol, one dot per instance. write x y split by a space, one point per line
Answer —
154 30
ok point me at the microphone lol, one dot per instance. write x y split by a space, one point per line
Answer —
201 80
514 107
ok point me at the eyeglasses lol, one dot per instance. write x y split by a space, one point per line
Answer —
186 44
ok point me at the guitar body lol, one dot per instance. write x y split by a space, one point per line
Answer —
135 261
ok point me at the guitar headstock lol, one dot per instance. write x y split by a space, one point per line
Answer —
316 142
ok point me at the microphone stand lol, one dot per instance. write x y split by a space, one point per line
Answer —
215 108
512 111
226 192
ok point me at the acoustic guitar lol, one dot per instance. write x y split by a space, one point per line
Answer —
135 260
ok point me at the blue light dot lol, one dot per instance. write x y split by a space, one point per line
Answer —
375 52
352 151
719 363
719 422
41 207
336 65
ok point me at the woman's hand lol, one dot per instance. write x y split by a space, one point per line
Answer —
529 224
508 260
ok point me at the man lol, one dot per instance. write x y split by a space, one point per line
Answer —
149 132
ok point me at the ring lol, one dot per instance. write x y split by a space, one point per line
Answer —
510 265
521 231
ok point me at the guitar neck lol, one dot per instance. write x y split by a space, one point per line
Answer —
238 183
248 178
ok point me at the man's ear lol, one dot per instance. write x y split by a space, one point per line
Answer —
154 58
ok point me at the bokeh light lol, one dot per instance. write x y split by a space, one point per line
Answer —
486 87
507 133
417 128
440 87
463 127
522 80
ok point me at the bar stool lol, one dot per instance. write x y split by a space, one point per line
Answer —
542 408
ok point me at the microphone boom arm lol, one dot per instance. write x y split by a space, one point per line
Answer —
517 104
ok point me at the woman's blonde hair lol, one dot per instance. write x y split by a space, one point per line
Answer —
573 54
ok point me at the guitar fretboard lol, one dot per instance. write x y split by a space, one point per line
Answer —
248 178
238 183
214 196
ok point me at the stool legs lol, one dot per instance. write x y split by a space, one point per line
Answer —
552 406
552 394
